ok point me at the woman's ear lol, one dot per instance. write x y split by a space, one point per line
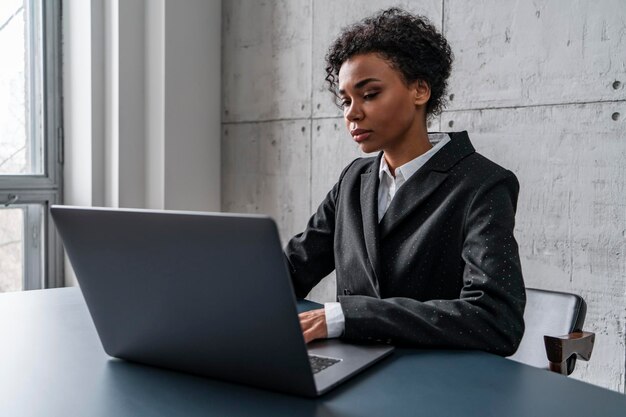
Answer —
421 91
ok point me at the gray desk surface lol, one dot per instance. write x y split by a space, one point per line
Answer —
53 365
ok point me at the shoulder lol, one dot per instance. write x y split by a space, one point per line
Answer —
485 172
360 166
490 185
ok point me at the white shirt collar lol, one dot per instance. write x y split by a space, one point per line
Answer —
404 172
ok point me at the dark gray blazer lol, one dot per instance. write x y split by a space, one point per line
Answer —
441 269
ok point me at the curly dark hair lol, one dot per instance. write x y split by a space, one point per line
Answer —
409 43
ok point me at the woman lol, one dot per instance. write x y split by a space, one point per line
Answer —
420 236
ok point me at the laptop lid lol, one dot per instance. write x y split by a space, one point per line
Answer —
203 293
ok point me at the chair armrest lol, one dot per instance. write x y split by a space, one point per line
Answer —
560 348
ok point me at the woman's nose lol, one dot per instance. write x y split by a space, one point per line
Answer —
353 112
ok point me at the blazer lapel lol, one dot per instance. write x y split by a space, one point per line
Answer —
369 213
410 196
425 181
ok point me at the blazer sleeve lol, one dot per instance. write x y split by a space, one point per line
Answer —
488 315
310 254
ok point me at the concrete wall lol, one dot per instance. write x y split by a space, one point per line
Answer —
538 85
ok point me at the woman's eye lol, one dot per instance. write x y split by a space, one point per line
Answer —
344 104
370 96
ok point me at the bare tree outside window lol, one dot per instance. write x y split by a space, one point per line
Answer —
11 253
17 83
29 140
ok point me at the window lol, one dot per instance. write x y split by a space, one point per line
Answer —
30 143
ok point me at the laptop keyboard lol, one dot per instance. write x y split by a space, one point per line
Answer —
319 363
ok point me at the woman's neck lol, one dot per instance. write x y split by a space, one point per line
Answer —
407 151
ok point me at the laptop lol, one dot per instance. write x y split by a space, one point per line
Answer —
204 293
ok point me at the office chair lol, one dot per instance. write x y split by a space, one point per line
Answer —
553 338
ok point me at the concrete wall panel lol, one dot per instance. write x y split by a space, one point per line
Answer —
571 219
267 60
267 170
330 16
511 53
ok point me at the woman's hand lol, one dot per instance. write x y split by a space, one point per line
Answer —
313 325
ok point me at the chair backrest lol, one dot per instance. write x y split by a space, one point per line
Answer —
548 313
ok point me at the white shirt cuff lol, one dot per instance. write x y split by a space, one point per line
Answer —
335 320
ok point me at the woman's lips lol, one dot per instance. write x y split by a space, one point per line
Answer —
360 135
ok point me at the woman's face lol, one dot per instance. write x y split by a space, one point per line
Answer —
381 112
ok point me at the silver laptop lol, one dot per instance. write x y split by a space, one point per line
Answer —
204 293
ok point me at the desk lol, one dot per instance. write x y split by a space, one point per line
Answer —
53 365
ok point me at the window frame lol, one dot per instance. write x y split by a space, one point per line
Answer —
45 189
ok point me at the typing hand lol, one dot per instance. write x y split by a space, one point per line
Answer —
313 325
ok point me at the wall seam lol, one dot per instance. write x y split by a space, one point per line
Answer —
443 17
311 104
288 119
280 119
439 118
536 105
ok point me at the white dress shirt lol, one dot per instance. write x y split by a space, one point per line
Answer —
388 186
